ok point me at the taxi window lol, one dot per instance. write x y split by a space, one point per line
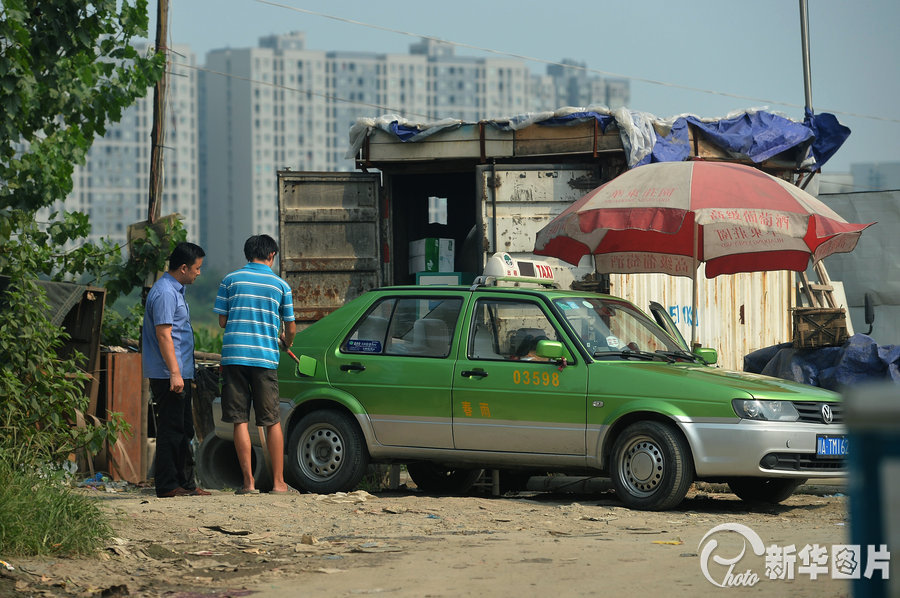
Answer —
508 330
412 326
608 326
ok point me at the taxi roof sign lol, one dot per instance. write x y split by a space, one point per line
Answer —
502 267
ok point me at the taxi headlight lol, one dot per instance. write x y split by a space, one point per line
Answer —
773 411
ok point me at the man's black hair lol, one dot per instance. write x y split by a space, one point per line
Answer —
259 247
185 254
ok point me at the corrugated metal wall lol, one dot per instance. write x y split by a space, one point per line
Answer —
519 200
737 314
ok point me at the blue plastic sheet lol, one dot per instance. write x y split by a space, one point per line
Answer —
754 135
603 119
859 360
829 134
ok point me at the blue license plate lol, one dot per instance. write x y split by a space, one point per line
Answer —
831 445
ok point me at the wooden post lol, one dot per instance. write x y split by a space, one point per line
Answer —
158 132
157 136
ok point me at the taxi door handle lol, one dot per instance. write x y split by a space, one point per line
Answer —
356 367
477 373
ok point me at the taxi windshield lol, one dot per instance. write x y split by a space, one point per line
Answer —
613 328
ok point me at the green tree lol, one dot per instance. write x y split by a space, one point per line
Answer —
67 68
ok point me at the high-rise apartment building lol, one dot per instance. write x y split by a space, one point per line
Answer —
575 86
112 187
281 105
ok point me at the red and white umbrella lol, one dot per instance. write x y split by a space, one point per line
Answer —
670 216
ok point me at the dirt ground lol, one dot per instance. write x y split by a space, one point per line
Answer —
404 543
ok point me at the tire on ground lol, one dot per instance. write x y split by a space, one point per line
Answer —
651 466
217 465
326 453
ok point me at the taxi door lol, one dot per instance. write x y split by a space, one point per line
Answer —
506 399
397 362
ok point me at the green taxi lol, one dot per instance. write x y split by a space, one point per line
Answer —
526 379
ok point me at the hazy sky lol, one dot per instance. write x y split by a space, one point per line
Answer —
750 49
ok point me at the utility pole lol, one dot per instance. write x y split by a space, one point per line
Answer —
804 39
157 134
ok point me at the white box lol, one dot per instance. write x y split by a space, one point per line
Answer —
431 255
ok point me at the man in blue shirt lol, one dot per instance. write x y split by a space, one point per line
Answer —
252 303
168 360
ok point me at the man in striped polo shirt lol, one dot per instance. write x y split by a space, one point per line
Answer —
252 303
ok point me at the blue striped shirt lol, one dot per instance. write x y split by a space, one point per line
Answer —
256 301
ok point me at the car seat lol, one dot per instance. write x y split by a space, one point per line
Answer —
431 338
483 344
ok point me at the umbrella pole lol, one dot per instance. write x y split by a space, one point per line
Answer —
694 292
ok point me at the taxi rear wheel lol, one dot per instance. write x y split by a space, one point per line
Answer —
430 477
326 453
651 466
764 490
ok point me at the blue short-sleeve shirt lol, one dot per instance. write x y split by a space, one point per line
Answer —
256 301
166 305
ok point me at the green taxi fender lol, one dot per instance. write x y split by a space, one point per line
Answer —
324 397
637 409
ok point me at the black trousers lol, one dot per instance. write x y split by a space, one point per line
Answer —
174 432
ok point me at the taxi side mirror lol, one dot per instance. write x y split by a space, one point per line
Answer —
707 354
550 349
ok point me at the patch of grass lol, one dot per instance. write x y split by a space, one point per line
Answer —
40 515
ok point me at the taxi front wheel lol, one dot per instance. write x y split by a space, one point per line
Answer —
326 453
651 466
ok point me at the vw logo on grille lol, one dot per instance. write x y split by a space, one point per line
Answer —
827 415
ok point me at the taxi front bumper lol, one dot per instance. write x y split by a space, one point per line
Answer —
761 449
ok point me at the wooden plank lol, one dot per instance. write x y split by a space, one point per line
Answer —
460 142
540 140
828 290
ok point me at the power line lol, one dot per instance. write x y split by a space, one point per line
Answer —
562 64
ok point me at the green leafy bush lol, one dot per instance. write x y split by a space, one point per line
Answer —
43 395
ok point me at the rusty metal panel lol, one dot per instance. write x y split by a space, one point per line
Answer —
329 239
737 314
123 395
517 201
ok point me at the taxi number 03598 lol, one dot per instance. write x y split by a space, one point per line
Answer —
536 378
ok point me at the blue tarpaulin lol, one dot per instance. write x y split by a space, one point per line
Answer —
829 135
859 360
754 135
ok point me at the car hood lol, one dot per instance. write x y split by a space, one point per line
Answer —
694 383
761 387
